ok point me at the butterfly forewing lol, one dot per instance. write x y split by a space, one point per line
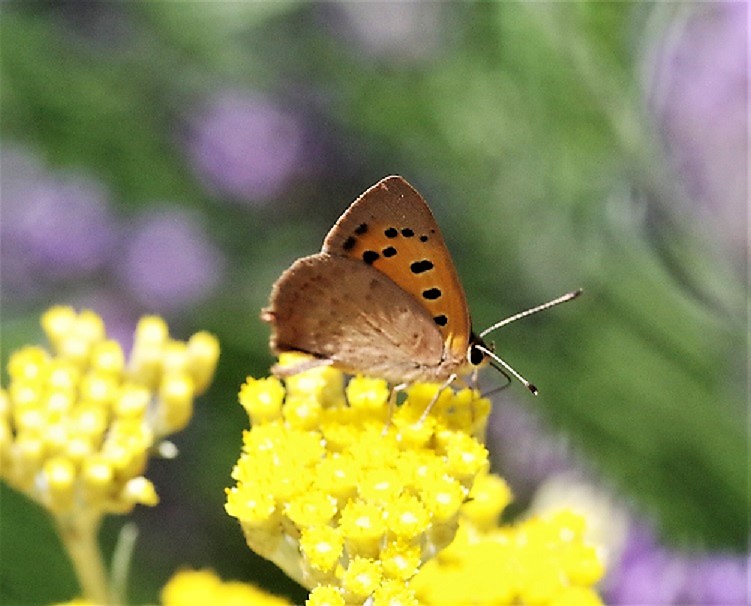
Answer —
391 229
345 311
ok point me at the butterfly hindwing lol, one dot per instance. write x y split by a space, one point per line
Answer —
343 310
391 229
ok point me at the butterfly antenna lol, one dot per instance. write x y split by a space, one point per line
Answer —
501 366
523 314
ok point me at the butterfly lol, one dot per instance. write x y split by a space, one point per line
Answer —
383 297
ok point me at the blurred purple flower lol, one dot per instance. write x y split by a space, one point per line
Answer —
699 81
54 225
649 573
719 580
646 572
244 146
169 262
525 451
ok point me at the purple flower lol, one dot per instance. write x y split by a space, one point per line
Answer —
525 451
55 225
649 573
719 580
699 83
168 261
244 146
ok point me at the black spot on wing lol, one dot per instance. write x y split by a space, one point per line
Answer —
423 238
390 232
389 251
440 320
361 229
370 256
431 293
407 232
349 243
419 267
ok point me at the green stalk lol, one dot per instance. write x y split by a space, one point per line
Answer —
79 536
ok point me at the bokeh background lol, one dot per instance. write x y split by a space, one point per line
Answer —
174 158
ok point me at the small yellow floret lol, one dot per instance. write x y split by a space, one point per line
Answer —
489 496
382 484
29 363
60 474
394 593
443 496
400 560
311 509
176 395
367 394
363 526
262 399
322 547
203 355
140 490
325 595
108 357
361 578
407 517
338 476
465 455
254 507
58 322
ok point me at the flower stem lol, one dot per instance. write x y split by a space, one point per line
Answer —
79 536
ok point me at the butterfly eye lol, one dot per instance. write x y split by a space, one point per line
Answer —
475 356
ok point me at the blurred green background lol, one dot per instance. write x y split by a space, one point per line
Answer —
174 158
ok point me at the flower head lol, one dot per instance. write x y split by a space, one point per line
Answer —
345 497
56 224
78 424
245 146
540 560
200 587
169 261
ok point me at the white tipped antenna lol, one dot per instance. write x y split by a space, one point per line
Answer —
502 366
523 314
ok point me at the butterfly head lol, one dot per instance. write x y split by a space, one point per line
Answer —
476 352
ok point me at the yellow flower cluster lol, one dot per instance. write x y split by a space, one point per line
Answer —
348 497
204 587
77 425
543 560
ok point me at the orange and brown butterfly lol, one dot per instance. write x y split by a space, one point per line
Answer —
382 298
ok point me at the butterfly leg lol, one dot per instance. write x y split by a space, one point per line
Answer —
500 388
393 396
452 377
392 403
